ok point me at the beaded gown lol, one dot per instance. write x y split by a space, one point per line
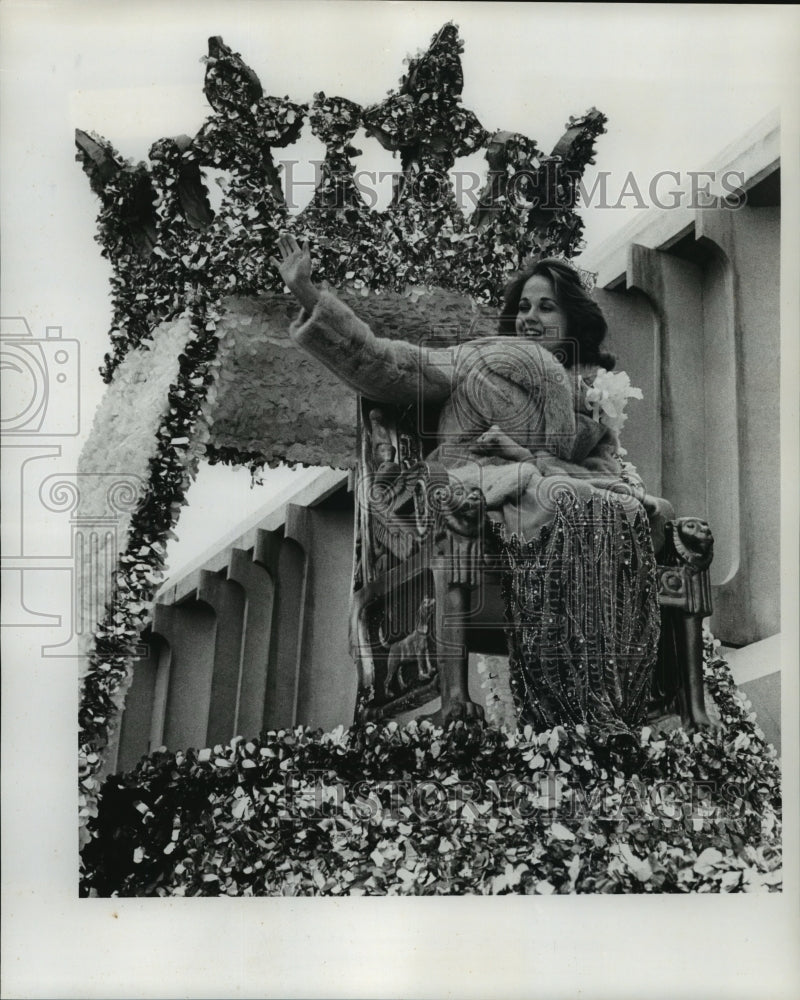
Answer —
583 619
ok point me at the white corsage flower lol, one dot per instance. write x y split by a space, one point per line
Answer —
608 396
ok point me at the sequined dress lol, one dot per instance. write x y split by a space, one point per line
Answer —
583 619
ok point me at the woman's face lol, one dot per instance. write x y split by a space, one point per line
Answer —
539 315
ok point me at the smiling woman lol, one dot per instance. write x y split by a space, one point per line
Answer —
547 300
539 313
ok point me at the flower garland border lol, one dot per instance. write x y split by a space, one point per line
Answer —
385 809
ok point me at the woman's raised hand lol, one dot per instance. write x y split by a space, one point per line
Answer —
295 269
295 262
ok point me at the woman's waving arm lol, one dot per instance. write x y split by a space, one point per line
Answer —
391 370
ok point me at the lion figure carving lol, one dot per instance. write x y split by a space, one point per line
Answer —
414 648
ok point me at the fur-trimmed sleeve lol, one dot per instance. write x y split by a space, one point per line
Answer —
391 370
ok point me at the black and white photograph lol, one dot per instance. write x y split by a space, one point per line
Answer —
399 499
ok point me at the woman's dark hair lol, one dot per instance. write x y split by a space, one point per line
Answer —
586 324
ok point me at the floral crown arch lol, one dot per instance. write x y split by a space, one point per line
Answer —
200 314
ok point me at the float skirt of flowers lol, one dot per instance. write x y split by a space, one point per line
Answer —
416 810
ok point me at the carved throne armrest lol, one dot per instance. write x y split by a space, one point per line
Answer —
684 593
684 581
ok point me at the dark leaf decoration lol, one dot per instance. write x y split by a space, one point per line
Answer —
415 810
230 84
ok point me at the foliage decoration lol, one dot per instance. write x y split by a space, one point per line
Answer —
426 123
417 811
127 234
238 138
348 241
